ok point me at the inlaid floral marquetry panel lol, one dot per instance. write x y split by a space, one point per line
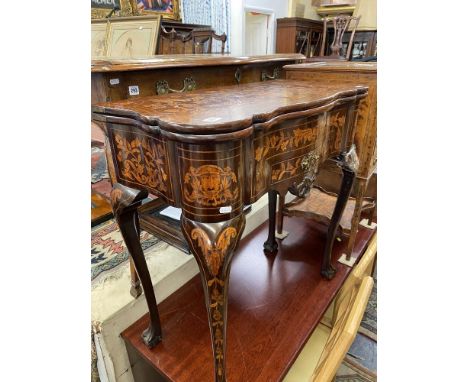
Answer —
142 161
336 124
293 139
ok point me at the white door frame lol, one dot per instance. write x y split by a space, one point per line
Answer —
271 26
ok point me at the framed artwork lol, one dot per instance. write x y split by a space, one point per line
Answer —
133 37
168 9
102 8
99 30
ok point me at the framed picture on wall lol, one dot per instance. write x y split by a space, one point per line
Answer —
99 30
102 8
168 9
133 37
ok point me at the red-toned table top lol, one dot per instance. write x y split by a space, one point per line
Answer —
275 302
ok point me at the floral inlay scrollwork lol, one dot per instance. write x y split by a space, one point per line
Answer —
216 290
142 161
337 122
289 167
210 185
214 253
283 141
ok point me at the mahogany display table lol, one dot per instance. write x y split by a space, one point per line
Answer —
275 302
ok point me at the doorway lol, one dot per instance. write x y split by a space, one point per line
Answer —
259 27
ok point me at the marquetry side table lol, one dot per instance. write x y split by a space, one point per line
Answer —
213 151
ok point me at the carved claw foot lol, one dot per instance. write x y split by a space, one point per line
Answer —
151 337
328 273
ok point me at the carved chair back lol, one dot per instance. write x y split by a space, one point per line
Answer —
341 24
171 38
202 40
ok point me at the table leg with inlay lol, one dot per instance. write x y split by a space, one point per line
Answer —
213 245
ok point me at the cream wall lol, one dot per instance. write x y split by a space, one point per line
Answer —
366 8
309 10
368 11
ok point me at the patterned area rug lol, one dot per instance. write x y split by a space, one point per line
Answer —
369 321
98 165
349 372
108 250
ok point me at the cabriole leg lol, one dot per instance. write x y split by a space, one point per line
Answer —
279 228
346 184
125 202
135 289
213 245
271 245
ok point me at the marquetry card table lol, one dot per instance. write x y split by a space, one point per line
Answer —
212 151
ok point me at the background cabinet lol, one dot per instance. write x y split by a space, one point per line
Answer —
364 45
299 35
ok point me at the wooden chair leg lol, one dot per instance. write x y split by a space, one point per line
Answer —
135 289
371 216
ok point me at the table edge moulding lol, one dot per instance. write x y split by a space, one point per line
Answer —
213 151
187 60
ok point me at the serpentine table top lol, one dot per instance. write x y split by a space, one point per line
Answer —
228 108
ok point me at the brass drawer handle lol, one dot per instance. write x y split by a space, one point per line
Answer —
276 75
238 75
310 162
162 87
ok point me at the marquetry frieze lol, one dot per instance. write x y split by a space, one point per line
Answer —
279 152
141 160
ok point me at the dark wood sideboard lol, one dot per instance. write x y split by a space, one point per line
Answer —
299 35
211 152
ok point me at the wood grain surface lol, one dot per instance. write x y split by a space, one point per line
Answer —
186 60
331 66
229 108
275 302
